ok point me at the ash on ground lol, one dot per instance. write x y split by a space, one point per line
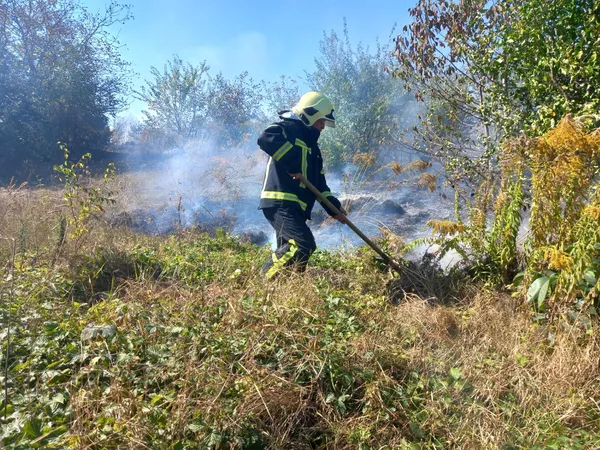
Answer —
403 212
254 236
426 280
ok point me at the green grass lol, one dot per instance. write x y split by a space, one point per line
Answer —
131 341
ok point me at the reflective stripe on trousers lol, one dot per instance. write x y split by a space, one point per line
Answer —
279 263
295 241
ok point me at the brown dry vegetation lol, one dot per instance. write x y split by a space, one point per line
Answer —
200 352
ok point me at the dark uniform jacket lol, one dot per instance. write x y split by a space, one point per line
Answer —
292 147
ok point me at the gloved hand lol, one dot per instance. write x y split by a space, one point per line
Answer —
341 217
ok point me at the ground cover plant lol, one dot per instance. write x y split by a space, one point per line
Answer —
120 330
122 339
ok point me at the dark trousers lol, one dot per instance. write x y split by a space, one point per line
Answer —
295 241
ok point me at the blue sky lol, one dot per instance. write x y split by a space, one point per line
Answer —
266 38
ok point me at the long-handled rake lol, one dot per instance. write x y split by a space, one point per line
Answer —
386 258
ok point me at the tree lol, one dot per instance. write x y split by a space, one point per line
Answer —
185 103
60 76
176 99
234 109
547 62
280 96
124 131
489 71
368 101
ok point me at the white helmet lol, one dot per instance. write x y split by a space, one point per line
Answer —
313 106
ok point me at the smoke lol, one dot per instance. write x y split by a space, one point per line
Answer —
202 185
197 186
381 192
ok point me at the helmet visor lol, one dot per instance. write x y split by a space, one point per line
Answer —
329 120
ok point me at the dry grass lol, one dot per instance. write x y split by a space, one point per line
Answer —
508 364
30 216
540 371
207 354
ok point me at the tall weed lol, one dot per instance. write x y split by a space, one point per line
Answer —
559 251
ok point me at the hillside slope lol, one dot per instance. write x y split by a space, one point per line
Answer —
121 340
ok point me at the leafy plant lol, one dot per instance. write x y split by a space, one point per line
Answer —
368 101
541 288
557 174
82 199
488 72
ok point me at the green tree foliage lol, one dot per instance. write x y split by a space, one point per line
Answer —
234 109
368 102
493 70
552 51
280 96
60 76
185 103
176 100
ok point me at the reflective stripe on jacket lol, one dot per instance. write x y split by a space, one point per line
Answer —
292 147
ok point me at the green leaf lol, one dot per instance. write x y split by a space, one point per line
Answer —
59 377
95 360
7 410
92 332
534 290
20 367
518 279
543 292
55 364
156 398
51 433
196 426
50 327
590 278
59 398
522 360
455 373
32 428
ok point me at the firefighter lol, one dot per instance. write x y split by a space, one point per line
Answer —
286 203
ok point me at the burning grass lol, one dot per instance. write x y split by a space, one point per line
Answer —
122 340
